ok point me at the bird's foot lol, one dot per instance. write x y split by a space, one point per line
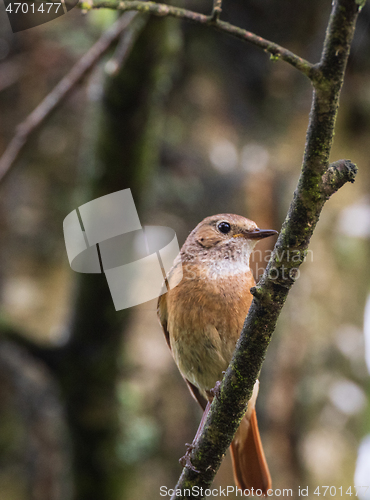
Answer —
185 461
215 392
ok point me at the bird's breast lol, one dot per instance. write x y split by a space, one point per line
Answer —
206 312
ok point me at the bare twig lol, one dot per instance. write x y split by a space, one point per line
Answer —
160 9
56 96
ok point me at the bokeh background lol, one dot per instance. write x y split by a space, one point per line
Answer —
195 123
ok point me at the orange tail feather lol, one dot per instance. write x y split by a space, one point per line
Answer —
249 462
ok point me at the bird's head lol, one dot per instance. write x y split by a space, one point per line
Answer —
225 236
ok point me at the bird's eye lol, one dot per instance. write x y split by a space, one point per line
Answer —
224 227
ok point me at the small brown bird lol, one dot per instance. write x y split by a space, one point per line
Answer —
202 318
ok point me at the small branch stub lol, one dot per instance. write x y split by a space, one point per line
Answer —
256 291
217 9
337 174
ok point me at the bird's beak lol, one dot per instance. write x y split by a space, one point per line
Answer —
257 234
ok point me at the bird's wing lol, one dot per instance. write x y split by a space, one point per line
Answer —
194 391
162 315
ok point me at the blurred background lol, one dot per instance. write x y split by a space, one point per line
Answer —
195 123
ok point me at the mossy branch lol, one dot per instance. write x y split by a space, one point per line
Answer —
317 183
160 9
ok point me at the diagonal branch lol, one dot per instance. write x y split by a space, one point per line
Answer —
60 92
160 9
316 184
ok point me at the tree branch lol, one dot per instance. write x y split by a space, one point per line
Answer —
316 184
160 9
60 92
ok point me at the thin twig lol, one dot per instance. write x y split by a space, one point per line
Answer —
62 89
159 9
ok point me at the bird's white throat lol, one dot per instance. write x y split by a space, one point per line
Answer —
236 262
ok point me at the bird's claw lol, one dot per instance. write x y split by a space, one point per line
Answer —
185 461
215 392
189 447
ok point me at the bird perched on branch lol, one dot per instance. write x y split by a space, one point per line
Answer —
202 318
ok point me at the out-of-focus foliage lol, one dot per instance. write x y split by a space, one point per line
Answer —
233 132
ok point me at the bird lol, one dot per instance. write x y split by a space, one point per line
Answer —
202 318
